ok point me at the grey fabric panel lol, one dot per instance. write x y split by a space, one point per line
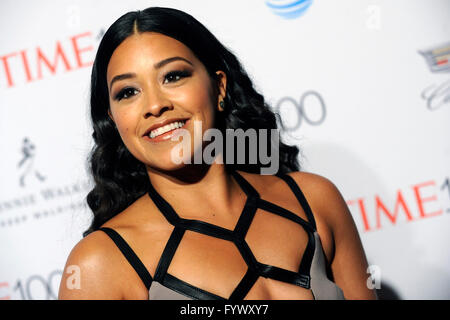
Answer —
159 292
322 287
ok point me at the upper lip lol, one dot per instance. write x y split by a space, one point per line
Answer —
161 124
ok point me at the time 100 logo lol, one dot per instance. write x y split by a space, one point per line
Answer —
311 98
35 287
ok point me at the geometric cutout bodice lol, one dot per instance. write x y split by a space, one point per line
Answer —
255 268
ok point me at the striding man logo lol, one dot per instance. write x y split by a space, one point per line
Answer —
26 164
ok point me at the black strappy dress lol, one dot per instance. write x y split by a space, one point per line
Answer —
311 274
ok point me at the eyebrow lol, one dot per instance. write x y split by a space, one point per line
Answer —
156 66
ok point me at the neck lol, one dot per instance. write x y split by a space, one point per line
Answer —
200 188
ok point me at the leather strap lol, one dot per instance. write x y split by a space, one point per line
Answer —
129 254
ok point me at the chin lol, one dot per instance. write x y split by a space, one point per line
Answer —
167 165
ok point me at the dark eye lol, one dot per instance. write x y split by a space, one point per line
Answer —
126 93
175 76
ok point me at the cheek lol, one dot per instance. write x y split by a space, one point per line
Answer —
126 122
200 97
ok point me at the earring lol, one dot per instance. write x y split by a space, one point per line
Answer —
222 105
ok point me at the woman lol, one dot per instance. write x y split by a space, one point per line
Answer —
178 230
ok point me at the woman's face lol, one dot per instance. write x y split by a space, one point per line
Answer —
154 79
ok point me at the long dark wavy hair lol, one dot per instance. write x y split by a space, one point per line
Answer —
119 178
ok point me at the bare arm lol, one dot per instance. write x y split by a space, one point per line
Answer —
349 264
89 272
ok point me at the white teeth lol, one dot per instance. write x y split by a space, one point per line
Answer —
166 128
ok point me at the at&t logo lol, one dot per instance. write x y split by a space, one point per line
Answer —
289 9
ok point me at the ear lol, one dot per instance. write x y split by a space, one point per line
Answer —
221 84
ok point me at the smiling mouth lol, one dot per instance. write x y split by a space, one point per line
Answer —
164 132
168 127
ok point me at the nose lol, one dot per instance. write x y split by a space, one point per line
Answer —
156 103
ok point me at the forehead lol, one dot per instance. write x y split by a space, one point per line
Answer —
142 50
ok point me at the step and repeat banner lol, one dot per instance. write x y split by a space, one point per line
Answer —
363 87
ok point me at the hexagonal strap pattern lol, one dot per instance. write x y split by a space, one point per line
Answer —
237 236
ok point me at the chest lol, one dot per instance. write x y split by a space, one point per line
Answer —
218 266
206 255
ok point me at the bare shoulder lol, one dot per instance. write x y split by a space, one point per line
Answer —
103 270
313 181
325 197
90 270
336 227
321 193
349 262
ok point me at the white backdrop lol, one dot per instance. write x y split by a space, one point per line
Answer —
363 85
